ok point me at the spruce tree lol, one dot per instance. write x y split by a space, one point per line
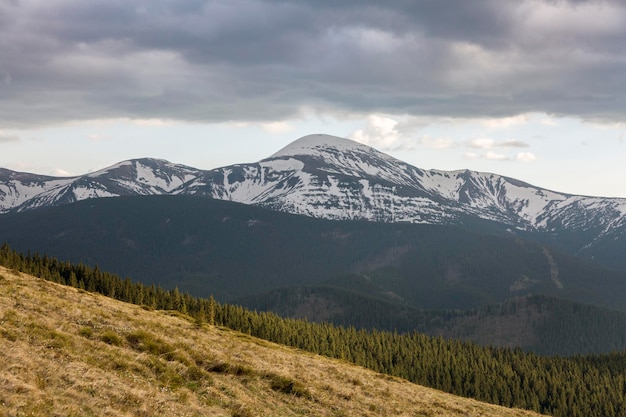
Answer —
211 310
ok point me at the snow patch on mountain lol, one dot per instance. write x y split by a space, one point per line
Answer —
14 192
84 193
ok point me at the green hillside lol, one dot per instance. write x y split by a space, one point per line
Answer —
580 386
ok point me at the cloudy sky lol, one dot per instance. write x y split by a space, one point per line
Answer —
532 89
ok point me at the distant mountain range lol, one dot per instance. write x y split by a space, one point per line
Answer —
330 229
328 177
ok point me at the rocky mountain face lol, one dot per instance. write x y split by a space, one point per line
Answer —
329 177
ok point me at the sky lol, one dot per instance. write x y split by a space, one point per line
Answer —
530 89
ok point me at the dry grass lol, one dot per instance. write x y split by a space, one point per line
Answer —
69 353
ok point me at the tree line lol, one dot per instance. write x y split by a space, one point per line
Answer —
585 386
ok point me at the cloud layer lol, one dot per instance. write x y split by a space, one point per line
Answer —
243 60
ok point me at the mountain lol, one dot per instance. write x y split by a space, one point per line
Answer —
333 178
233 250
441 280
22 191
103 357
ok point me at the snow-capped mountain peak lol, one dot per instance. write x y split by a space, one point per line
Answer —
319 145
340 156
156 175
147 176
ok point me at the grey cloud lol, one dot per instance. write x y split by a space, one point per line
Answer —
512 144
263 60
8 138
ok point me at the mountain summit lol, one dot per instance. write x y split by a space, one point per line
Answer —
319 144
335 178
147 176
330 177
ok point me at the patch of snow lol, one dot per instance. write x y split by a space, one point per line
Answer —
147 176
366 190
282 165
85 193
16 193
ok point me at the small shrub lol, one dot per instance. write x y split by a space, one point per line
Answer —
192 386
120 364
217 367
10 316
356 382
287 385
111 338
86 332
241 370
144 342
174 355
157 366
9 335
57 340
196 374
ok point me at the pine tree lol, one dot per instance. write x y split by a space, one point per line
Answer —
201 316
211 310
73 282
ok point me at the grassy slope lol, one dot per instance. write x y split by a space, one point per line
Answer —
67 352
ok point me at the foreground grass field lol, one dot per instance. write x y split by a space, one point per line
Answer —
66 352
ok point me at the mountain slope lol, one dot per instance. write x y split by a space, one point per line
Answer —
199 244
543 325
103 357
22 191
333 178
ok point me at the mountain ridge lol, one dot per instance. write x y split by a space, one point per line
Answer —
335 178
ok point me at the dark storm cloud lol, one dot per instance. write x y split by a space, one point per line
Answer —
243 60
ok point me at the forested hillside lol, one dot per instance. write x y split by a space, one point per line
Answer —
196 244
540 324
578 386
